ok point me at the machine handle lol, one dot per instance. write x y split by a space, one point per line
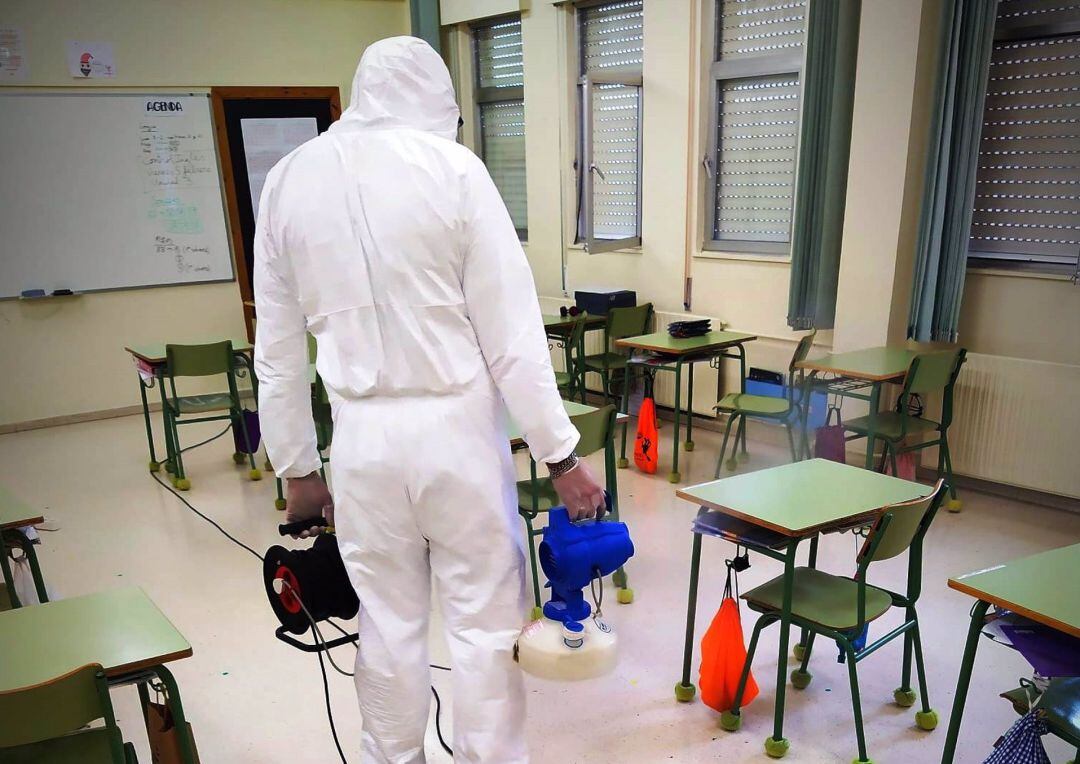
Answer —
288 529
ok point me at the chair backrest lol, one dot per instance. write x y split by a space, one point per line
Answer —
947 398
597 429
899 526
930 372
802 350
577 333
627 322
199 360
55 708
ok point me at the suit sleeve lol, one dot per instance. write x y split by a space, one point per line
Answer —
281 356
505 313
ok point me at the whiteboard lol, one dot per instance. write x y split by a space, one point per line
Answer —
109 191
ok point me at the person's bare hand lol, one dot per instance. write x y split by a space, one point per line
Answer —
582 494
308 498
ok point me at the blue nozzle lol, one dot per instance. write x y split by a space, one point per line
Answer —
572 555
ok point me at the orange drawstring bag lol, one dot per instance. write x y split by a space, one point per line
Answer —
723 654
645 444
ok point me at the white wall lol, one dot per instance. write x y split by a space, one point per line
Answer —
66 357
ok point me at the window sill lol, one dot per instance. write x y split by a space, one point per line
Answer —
1018 273
627 251
709 254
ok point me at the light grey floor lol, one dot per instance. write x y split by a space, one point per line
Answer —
252 699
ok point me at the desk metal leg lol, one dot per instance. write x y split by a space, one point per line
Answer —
802 649
623 462
685 689
674 476
804 414
778 744
745 454
9 580
964 680
690 407
875 394
155 465
184 741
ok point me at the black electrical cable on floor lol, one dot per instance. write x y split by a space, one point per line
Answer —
208 440
322 666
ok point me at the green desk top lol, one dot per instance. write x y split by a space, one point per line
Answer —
573 408
872 364
553 322
1041 587
121 629
15 513
805 497
662 342
155 352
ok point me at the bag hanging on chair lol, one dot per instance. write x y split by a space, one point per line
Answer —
723 655
254 433
164 736
646 450
829 441
905 465
1022 744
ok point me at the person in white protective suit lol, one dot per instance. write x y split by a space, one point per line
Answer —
389 243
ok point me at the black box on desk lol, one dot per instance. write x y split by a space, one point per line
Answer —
597 302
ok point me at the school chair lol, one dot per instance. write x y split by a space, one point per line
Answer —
621 323
213 359
572 380
784 410
840 608
928 373
48 722
537 495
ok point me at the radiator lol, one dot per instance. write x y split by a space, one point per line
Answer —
1017 421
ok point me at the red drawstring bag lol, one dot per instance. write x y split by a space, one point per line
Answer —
905 465
645 444
723 654
829 440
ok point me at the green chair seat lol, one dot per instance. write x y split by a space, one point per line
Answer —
202 404
89 746
1060 705
821 598
890 425
544 491
563 378
605 361
760 405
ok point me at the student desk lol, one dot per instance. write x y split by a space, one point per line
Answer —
776 509
14 514
150 360
558 328
854 371
1041 587
662 351
121 629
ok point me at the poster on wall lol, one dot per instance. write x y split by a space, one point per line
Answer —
13 66
267 140
90 60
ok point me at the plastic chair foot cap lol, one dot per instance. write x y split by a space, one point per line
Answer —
537 613
904 698
255 474
800 679
684 693
239 458
619 579
622 463
280 504
155 466
674 477
926 720
625 596
954 505
799 651
776 749
862 761
732 464
730 721
182 484
689 445
744 456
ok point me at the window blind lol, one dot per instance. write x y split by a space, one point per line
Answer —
612 36
757 139
1027 194
759 27
500 77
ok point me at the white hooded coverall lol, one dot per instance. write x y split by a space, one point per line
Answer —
389 243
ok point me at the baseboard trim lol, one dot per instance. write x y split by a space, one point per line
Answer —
84 416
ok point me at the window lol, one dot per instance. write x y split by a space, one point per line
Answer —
1027 192
500 103
754 128
611 53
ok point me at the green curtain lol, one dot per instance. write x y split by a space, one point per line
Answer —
967 38
832 43
424 15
